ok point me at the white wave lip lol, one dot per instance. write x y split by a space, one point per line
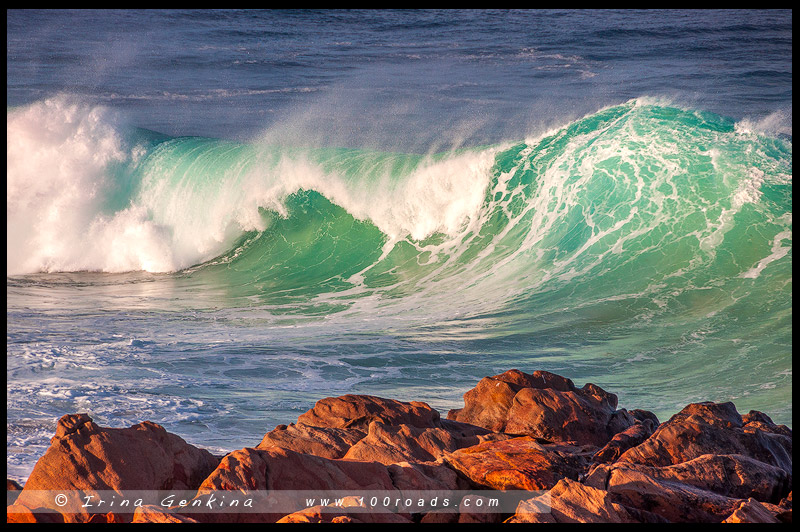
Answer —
58 154
61 155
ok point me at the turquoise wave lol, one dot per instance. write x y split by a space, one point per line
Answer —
678 207
673 208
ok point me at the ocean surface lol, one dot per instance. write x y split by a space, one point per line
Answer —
216 218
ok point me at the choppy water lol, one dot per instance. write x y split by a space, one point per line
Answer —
216 218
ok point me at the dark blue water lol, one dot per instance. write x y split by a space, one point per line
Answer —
345 74
216 218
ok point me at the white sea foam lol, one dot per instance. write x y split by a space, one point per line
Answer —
59 152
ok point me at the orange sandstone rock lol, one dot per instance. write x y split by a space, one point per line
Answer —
622 441
543 405
711 428
735 476
156 514
572 502
84 456
358 411
519 463
326 442
753 511
389 444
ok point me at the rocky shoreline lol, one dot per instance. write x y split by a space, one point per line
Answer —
588 460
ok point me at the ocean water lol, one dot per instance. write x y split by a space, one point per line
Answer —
216 218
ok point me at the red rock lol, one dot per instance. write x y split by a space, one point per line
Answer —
155 514
281 469
518 463
622 441
753 511
469 510
344 519
325 515
786 506
572 502
71 423
735 476
320 441
358 411
278 469
487 404
84 456
755 420
386 443
436 480
431 476
19 513
389 444
349 511
643 416
536 510
786 502
466 430
111 517
12 491
543 405
674 501
317 515
441 516
710 428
